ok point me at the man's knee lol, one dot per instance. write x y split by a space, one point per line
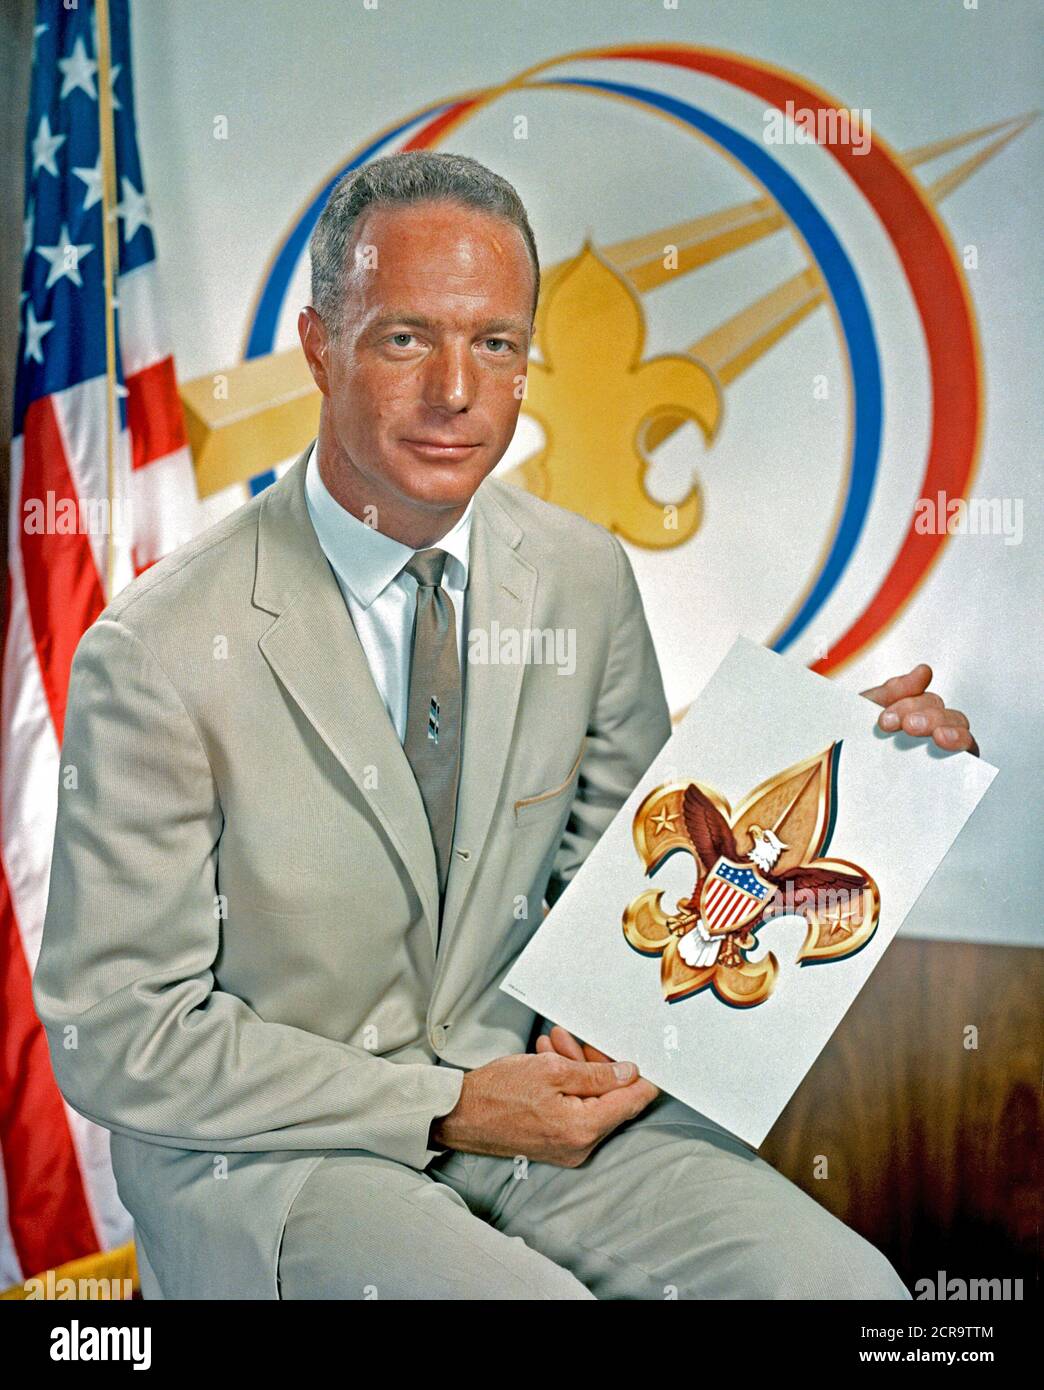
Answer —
827 1264
367 1228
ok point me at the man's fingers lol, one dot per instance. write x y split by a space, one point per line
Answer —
895 716
595 1078
615 1107
911 703
920 718
565 1044
910 706
955 738
954 716
915 682
560 1040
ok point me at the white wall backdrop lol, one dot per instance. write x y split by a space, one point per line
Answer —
302 88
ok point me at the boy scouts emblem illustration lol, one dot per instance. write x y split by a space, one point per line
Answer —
766 861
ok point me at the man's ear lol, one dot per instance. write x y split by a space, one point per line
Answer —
316 343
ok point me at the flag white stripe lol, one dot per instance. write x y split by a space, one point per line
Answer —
143 337
81 415
724 905
165 506
712 898
730 906
112 1221
28 752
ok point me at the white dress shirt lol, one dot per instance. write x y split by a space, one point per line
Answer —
382 601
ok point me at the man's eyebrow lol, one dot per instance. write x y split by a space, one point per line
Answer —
420 321
510 324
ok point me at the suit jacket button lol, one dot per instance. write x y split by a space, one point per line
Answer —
438 1035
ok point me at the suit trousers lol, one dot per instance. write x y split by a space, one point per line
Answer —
664 1208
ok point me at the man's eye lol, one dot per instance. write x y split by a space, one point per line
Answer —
499 340
400 335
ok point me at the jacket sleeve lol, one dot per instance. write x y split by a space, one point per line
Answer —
628 726
141 1040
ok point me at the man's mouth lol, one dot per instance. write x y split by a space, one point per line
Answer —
448 449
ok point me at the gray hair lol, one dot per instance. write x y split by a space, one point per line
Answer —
410 177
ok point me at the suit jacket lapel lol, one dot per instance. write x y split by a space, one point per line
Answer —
315 652
501 592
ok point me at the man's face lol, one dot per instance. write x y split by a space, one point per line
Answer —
432 353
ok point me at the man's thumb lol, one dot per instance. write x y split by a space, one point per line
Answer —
595 1078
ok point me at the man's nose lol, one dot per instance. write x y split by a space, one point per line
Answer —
450 378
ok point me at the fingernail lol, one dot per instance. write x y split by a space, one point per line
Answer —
949 734
918 723
889 721
623 1071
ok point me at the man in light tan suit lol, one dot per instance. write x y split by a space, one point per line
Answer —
261 970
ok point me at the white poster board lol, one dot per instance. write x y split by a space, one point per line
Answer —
772 745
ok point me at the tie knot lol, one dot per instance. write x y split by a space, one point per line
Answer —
427 567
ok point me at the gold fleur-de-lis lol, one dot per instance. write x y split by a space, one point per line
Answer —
596 400
797 803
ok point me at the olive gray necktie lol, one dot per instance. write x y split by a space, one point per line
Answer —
433 718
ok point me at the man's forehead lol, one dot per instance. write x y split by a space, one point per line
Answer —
425 290
458 248
486 313
419 219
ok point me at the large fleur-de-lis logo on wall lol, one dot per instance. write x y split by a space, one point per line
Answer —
762 863
598 403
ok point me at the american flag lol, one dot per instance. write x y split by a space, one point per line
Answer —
90 508
731 893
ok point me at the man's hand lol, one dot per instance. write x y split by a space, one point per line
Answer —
545 1106
562 1042
912 707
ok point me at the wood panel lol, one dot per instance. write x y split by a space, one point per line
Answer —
926 1105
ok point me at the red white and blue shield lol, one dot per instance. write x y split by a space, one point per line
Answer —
733 895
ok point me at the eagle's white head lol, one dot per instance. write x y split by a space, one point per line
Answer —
767 847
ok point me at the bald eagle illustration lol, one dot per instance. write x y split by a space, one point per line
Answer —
713 840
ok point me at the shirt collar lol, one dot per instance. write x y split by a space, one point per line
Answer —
364 558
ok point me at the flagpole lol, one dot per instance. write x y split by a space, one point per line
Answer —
110 247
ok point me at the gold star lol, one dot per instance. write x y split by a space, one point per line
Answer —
839 927
662 819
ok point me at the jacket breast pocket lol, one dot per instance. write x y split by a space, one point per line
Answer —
548 805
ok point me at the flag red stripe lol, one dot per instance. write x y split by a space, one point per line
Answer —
713 896
154 414
723 897
63 589
731 906
724 908
48 1213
